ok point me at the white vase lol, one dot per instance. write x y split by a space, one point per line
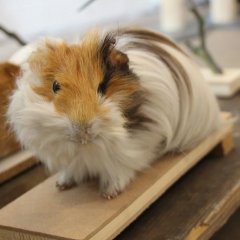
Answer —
223 11
173 15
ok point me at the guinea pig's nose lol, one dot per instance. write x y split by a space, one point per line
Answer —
82 133
81 128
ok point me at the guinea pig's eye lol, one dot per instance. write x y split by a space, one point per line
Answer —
56 86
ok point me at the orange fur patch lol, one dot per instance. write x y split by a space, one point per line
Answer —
78 70
8 74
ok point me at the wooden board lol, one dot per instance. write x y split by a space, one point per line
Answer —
80 213
15 164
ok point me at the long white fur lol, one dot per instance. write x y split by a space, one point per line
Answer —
115 155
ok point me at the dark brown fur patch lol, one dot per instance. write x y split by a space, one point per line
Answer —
122 85
114 62
136 119
179 74
125 90
151 36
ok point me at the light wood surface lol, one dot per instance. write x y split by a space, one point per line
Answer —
80 213
15 164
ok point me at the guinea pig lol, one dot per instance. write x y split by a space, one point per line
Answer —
8 75
110 105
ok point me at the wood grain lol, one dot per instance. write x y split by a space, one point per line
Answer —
15 164
218 216
80 213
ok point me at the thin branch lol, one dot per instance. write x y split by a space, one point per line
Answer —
85 5
201 25
202 50
12 35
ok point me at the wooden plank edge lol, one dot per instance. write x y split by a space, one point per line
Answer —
154 192
227 144
10 234
224 147
226 115
15 164
218 217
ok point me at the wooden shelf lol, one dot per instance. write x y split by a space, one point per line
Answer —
15 164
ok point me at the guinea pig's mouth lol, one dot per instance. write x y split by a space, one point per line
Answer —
81 139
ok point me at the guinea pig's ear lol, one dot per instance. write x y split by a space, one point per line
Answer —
113 58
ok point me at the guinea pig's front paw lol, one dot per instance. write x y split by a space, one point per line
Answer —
113 186
109 191
110 195
64 183
65 186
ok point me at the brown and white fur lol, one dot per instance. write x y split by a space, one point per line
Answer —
121 99
8 75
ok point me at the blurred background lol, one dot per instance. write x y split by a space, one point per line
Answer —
70 19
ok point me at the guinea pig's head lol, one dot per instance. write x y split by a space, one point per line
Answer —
74 92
